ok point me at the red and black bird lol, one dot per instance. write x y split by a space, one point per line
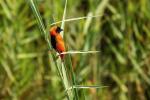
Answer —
57 40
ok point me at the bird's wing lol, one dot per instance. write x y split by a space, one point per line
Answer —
60 47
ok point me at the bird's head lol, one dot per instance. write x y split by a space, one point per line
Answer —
55 30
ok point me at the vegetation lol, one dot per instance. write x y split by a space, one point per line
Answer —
119 29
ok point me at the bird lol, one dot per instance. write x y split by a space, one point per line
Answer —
57 41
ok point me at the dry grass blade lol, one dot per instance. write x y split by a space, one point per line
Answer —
74 19
63 20
79 52
86 87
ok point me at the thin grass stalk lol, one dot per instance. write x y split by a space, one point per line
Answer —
73 79
75 19
74 92
37 15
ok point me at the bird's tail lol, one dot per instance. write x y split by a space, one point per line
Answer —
62 56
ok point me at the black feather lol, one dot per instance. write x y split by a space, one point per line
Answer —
58 30
53 41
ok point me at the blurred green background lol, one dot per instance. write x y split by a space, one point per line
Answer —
121 34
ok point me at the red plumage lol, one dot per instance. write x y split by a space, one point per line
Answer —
57 40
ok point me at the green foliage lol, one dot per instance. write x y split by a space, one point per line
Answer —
120 30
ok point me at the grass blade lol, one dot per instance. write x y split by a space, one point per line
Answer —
79 52
74 19
86 87
38 17
63 20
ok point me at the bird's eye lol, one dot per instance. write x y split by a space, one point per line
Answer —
58 30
